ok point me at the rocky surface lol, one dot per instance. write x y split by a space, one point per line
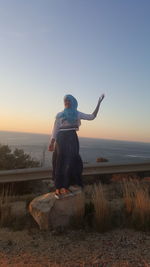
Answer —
51 213
34 248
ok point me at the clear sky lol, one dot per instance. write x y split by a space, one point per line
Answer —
49 48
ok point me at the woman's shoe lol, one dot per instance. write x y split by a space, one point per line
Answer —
63 192
57 194
76 189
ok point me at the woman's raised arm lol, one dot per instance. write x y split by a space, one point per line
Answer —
93 115
98 105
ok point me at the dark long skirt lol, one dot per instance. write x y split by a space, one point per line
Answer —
66 161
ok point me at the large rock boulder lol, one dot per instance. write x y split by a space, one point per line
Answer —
51 213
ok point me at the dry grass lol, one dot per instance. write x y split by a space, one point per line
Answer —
130 188
5 208
137 203
94 207
102 208
10 214
141 212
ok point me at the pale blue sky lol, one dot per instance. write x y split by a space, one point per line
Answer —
83 47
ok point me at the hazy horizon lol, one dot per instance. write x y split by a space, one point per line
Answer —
125 140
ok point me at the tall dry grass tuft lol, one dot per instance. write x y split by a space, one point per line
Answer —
102 214
5 208
129 188
141 212
137 203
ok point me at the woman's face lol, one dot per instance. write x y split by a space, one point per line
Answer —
67 103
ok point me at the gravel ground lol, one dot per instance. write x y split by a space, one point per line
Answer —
74 248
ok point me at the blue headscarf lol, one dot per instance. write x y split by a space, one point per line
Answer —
70 114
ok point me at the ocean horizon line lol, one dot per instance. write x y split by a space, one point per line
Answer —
95 138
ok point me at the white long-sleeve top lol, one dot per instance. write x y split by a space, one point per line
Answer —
61 125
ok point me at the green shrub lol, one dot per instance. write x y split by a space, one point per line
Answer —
16 159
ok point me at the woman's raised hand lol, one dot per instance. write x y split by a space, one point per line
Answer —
101 98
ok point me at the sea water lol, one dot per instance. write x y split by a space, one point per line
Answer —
115 151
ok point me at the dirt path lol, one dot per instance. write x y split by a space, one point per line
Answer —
74 248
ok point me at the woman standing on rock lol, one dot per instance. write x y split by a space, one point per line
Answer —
66 161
